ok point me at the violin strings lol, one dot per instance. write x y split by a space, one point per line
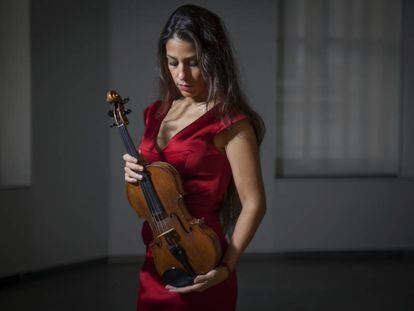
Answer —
155 207
161 225
164 223
131 150
153 202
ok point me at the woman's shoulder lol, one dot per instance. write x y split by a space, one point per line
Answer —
228 121
153 106
150 110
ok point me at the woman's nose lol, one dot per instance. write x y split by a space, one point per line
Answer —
181 72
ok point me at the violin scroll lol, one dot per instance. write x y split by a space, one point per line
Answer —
118 113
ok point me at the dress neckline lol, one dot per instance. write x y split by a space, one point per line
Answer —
157 129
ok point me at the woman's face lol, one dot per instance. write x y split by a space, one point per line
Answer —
184 69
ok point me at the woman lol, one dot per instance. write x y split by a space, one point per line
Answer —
203 126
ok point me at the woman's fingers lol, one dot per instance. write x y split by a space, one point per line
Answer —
129 158
133 166
186 289
132 173
201 279
129 179
132 169
131 162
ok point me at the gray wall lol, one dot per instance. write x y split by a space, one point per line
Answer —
62 217
76 209
407 130
15 158
303 214
15 150
355 213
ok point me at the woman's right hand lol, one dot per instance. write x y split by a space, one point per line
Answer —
132 169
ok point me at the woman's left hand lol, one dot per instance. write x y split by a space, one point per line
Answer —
203 281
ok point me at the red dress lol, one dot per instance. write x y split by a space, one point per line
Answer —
205 173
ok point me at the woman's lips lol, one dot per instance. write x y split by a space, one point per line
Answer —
184 87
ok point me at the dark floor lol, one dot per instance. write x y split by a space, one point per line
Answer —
276 284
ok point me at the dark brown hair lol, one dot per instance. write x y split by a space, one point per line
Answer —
205 30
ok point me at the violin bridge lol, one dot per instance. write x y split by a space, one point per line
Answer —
196 221
166 232
170 235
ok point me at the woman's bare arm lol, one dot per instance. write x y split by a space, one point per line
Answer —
243 154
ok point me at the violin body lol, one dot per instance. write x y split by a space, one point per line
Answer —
200 242
183 246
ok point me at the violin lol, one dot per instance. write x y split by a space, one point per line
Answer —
183 246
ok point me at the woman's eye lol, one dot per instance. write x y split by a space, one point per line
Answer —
190 63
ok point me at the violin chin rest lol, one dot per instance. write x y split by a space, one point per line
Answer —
177 277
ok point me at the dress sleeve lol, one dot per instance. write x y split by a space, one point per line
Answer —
222 125
148 112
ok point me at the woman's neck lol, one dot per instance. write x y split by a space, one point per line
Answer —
188 101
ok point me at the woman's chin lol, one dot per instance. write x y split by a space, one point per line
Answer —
193 95
186 94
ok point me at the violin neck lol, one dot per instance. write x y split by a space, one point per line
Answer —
129 144
154 204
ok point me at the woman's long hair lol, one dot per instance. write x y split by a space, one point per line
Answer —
205 30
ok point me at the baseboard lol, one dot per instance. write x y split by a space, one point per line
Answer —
126 259
323 254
